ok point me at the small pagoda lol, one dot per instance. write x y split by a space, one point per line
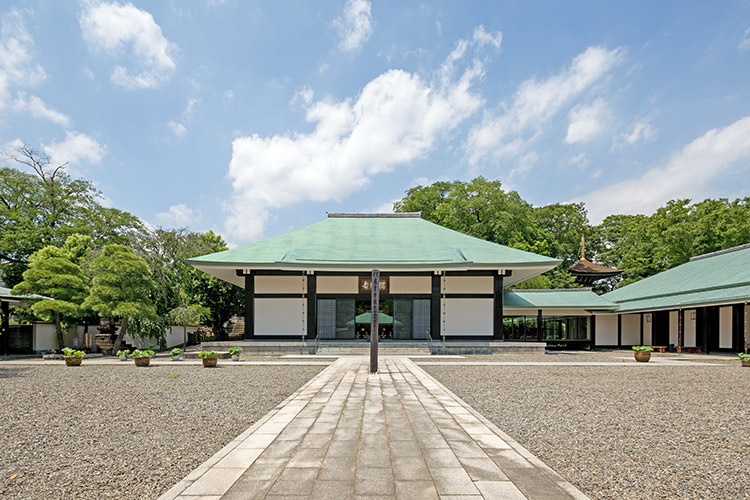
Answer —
587 272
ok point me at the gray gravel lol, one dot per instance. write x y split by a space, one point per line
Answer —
125 432
637 432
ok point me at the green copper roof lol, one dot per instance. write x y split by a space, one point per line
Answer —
361 240
5 294
712 278
576 298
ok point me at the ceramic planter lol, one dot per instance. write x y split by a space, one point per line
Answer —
235 357
210 362
142 361
642 356
746 362
72 361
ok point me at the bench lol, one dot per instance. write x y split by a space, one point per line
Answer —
694 350
660 348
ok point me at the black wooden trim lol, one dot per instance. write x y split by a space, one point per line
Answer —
279 295
469 295
435 308
619 330
249 306
312 307
680 328
539 325
497 323
276 272
363 296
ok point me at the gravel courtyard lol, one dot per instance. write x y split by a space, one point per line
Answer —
122 432
631 432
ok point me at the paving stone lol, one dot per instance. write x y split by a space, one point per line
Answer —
410 468
216 481
374 457
482 469
501 489
307 457
416 490
339 448
337 468
374 481
453 481
440 457
535 485
332 490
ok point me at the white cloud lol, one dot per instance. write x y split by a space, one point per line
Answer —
482 38
16 56
111 27
396 118
580 160
642 132
534 104
229 94
586 122
303 96
180 128
37 108
355 25
75 149
685 175
179 215
745 42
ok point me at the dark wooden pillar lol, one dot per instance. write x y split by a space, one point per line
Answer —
312 307
680 328
619 330
593 331
435 308
642 329
5 326
249 306
497 324
539 325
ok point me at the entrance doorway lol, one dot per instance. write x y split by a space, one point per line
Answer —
363 319
348 318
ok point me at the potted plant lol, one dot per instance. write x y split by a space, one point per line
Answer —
73 357
745 358
209 358
235 353
175 354
642 353
142 357
124 354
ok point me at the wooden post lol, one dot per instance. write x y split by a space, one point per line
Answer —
619 330
642 330
680 330
249 306
539 325
374 320
5 326
497 324
312 304
435 308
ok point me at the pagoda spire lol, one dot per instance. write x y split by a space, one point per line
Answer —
583 247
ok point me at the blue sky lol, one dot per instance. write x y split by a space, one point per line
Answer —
254 118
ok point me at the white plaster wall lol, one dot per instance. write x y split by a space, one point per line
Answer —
725 328
411 284
631 329
280 317
467 317
647 339
279 284
606 329
689 328
337 284
44 337
673 327
173 336
468 284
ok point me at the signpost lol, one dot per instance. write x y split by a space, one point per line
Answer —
375 320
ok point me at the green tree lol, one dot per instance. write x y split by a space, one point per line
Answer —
188 315
46 206
121 288
53 273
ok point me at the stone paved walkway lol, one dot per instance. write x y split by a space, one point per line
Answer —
396 435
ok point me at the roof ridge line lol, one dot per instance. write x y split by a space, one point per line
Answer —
582 289
684 292
720 252
364 215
